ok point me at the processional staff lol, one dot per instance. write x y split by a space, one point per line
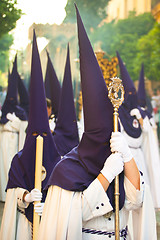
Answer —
38 182
116 96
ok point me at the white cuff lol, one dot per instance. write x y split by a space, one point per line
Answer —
95 201
20 202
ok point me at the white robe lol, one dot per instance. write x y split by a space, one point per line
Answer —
12 137
15 226
66 212
152 159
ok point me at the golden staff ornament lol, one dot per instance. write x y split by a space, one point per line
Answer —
116 96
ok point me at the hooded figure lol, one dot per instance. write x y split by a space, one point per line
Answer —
73 182
52 86
11 104
130 125
20 187
12 128
150 144
66 131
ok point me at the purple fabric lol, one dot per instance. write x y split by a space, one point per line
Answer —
23 96
22 171
130 102
127 81
141 89
144 113
66 131
83 164
52 86
10 104
141 93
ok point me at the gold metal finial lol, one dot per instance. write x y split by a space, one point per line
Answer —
116 92
116 96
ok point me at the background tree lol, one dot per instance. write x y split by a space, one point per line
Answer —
9 14
123 36
5 42
92 12
148 47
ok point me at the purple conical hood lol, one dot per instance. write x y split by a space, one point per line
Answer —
142 98
130 102
141 89
11 101
83 164
13 83
22 171
66 131
23 95
38 117
52 86
127 81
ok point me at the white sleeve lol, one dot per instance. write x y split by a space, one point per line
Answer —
15 124
95 201
20 202
134 197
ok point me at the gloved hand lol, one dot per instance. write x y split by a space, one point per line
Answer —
119 144
11 116
38 207
112 166
135 112
52 125
34 195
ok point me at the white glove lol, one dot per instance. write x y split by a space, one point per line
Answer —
0 113
112 166
34 195
119 144
11 116
135 112
52 125
38 208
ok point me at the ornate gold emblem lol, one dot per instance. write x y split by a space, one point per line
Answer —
116 92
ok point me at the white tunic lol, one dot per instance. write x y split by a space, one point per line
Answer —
152 159
15 226
12 137
65 212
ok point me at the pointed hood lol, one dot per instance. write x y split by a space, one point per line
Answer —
142 98
23 96
141 89
13 83
83 164
127 83
130 123
66 131
11 101
22 169
52 86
